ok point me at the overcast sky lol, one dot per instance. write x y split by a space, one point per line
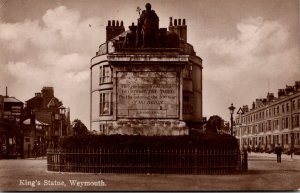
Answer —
248 47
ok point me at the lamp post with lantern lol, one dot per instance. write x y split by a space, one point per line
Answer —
231 110
62 112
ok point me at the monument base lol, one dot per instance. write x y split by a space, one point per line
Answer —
148 127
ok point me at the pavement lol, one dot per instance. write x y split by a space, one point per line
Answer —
273 155
264 174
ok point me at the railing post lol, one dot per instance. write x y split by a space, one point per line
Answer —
148 160
59 159
245 161
196 161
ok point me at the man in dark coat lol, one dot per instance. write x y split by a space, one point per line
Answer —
278 151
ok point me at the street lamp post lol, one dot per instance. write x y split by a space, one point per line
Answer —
62 111
32 122
231 109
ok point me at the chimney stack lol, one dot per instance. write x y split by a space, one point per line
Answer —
47 94
6 93
245 108
289 90
179 28
270 97
297 85
253 105
171 23
114 28
281 93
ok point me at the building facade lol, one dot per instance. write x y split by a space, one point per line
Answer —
147 80
271 121
49 118
11 135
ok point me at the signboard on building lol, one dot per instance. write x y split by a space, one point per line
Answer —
147 95
12 113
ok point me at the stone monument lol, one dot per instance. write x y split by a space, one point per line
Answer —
146 81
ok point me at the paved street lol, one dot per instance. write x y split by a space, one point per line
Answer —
264 174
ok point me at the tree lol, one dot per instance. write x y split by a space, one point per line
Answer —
213 124
79 128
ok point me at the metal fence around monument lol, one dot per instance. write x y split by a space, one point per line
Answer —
147 161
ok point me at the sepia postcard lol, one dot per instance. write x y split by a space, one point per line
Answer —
161 95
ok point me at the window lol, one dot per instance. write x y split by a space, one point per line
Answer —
105 74
187 105
260 140
293 105
298 102
287 107
277 110
285 123
187 72
282 108
105 103
269 125
102 128
276 124
276 139
296 122
269 139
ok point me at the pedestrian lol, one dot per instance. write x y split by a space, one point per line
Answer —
278 151
292 151
35 150
249 149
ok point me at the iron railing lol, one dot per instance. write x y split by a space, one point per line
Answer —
147 161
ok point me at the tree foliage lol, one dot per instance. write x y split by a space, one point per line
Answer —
79 128
213 124
199 140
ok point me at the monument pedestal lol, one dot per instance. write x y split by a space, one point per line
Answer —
147 92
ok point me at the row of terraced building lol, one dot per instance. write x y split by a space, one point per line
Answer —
271 121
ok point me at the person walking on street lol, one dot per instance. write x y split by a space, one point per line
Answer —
35 150
292 151
278 151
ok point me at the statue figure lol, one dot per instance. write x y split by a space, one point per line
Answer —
148 28
130 39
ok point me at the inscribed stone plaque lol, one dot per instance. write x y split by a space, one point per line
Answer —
147 94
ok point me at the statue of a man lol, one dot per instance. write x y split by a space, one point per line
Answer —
148 27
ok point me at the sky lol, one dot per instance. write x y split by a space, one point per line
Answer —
248 48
